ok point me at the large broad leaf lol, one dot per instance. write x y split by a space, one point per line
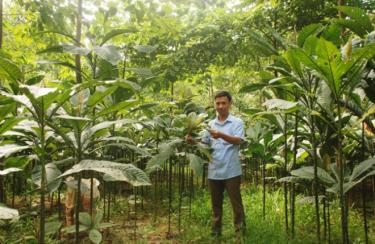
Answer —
306 32
307 172
196 163
37 92
117 32
166 151
279 104
9 70
85 219
95 236
117 171
126 84
362 168
9 123
89 132
9 149
262 46
52 174
108 53
22 99
18 162
100 95
145 48
359 22
9 170
75 50
144 72
117 107
8 213
52 227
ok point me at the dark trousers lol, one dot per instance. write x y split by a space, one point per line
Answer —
232 186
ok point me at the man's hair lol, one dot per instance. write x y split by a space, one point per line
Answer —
223 94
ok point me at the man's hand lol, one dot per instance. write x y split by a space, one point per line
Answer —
215 133
189 139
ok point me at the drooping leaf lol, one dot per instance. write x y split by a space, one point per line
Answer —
37 92
52 174
9 170
9 149
279 104
75 50
196 163
108 53
117 171
9 70
362 168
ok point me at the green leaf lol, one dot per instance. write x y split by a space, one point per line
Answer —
9 170
52 227
108 53
75 50
166 151
145 48
279 104
359 21
120 172
306 32
98 218
196 163
52 174
8 213
85 219
9 123
37 92
69 117
95 236
307 172
18 162
9 70
9 149
100 95
362 168
144 72
117 32
72 229
117 107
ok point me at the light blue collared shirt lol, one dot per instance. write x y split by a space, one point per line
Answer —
225 156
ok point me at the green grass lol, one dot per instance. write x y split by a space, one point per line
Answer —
196 226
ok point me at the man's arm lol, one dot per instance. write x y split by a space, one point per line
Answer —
236 140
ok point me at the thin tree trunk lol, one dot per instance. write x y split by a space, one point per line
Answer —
264 187
316 180
341 166
43 178
78 38
2 189
285 174
364 186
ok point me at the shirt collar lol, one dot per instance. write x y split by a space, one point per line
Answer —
229 119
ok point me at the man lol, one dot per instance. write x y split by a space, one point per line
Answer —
224 135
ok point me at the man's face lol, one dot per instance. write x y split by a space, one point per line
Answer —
222 105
